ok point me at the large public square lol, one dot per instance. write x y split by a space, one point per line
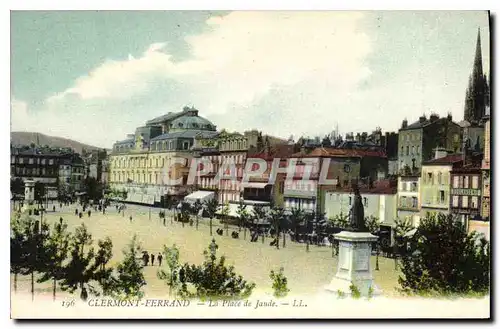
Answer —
308 272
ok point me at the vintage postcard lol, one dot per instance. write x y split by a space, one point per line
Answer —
250 164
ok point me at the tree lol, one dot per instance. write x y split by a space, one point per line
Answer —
172 261
19 247
185 214
372 224
280 283
213 279
326 142
93 188
54 253
225 214
82 268
39 190
277 216
129 278
17 186
297 218
441 258
196 207
242 213
211 207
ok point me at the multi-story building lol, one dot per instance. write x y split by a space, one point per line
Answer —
485 167
465 193
418 140
379 200
93 163
435 182
409 197
149 163
77 174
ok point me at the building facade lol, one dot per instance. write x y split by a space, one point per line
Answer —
485 168
465 194
150 163
435 183
418 140
409 198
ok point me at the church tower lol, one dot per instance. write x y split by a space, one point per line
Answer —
477 93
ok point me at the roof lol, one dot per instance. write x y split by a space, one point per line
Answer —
186 134
447 160
192 122
163 118
333 152
125 141
424 123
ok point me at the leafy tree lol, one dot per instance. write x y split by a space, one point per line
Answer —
103 274
211 207
172 261
19 247
196 207
84 267
213 279
441 258
242 216
129 276
39 190
185 213
297 218
372 224
280 283
277 217
53 254
17 186
225 214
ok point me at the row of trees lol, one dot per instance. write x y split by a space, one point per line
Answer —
72 260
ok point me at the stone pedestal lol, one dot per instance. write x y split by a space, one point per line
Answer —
354 267
29 195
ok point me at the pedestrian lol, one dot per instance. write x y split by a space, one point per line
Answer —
130 218
54 208
60 220
76 211
160 258
80 215
89 212
146 258
152 259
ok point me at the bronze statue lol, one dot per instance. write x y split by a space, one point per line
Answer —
357 213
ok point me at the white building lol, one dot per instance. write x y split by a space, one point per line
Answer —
409 198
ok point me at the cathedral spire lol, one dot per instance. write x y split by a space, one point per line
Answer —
478 59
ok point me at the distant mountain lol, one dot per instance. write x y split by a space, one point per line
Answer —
26 138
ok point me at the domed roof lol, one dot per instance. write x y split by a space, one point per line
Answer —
192 122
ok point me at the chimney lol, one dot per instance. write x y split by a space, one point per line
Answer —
434 117
440 152
405 124
422 119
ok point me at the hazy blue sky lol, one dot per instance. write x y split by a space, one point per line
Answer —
95 76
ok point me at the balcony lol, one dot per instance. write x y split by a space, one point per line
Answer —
295 193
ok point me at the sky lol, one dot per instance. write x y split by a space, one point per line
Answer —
94 76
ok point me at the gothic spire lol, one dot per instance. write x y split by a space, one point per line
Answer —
478 59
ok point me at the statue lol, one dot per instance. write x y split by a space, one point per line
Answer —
357 213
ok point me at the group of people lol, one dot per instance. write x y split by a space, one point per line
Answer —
146 258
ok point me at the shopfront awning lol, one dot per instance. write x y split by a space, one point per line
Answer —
254 185
199 196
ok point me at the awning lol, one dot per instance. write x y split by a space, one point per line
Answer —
199 195
254 185
233 209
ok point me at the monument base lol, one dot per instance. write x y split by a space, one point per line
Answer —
354 272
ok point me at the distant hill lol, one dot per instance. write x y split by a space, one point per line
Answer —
26 138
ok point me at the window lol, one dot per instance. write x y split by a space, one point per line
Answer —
440 178
51 161
466 181
418 150
455 201
474 202
414 202
465 201
441 196
350 200
407 150
429 178
455 181
13 159
21 160
412 150
414 187
30 160
402 150
475 182
185 145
